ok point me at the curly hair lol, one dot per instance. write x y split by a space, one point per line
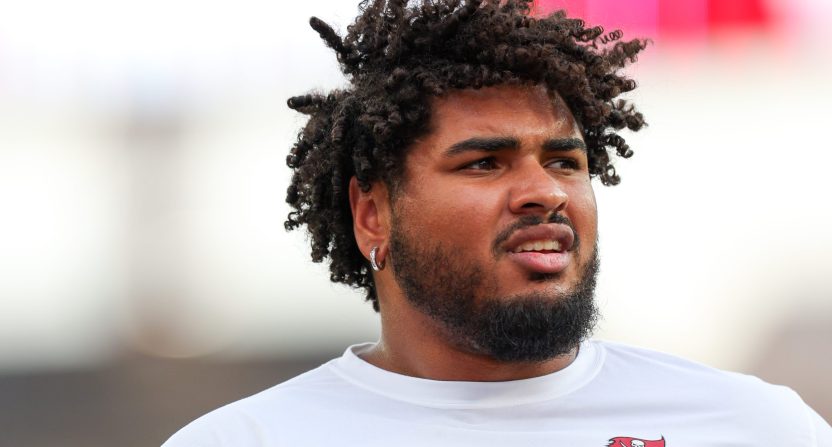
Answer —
397 58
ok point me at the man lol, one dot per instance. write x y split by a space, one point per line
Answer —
452 182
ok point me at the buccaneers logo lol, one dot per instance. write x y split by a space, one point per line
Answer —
623 441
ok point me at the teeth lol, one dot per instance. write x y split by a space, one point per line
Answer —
538 245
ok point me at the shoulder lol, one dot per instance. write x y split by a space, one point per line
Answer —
662 370
677 384
251 420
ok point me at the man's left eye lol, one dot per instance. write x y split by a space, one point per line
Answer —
485 164
565 163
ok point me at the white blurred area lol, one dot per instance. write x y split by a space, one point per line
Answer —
142 185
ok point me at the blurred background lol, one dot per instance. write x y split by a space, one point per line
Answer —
146 278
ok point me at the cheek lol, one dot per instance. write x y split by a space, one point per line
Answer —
583 211
454 216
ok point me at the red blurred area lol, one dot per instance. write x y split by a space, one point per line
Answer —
685 19
738 13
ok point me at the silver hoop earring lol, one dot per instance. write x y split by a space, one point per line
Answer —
373 262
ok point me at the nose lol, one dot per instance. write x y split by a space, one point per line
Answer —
536 191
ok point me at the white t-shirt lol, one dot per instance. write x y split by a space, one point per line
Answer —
611 394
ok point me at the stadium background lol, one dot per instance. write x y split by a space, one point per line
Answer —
145 276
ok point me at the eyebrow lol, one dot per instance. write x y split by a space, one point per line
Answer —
480 144
494 144
564 144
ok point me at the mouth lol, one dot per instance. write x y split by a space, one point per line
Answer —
543 261
543 248
539 246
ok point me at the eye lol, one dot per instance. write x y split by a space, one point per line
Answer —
564 163
484 164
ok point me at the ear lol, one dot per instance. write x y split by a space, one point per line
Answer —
370 217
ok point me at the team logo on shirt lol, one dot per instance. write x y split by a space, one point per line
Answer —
623 441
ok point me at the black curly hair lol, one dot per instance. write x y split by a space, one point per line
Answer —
397 57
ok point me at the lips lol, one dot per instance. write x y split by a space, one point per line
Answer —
542 248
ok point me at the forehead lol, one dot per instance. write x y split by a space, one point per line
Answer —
506 110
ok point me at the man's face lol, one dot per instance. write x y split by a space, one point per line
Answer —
494 229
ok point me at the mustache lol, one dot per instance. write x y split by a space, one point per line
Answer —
530 221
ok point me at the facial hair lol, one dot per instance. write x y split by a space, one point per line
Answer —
462 296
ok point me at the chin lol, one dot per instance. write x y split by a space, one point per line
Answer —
545 277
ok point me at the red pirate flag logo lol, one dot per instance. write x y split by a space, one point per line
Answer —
623 441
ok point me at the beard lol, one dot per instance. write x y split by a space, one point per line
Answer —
463 297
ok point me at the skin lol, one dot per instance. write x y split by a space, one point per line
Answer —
464 201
